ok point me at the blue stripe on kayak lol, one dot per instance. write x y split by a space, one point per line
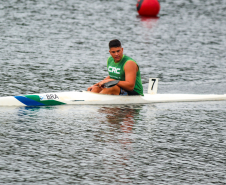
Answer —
28 101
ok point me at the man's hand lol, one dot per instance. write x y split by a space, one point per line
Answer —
90 88
99 86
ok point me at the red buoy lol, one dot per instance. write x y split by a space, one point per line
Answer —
148 7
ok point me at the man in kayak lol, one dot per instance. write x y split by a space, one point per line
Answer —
121 68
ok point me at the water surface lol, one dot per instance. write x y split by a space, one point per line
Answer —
50 46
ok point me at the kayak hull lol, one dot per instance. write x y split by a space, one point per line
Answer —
89 98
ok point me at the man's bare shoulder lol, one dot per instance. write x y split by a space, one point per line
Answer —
130 64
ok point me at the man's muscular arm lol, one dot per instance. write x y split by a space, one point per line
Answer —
131 69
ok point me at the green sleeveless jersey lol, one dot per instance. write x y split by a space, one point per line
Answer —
116 71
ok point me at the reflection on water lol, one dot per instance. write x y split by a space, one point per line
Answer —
148 22
32 111
121 119
118 138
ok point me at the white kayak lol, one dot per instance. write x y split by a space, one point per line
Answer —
85 97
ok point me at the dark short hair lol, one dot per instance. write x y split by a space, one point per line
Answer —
114 43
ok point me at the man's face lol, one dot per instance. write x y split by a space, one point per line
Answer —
116 53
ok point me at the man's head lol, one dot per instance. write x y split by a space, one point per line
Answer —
116 50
